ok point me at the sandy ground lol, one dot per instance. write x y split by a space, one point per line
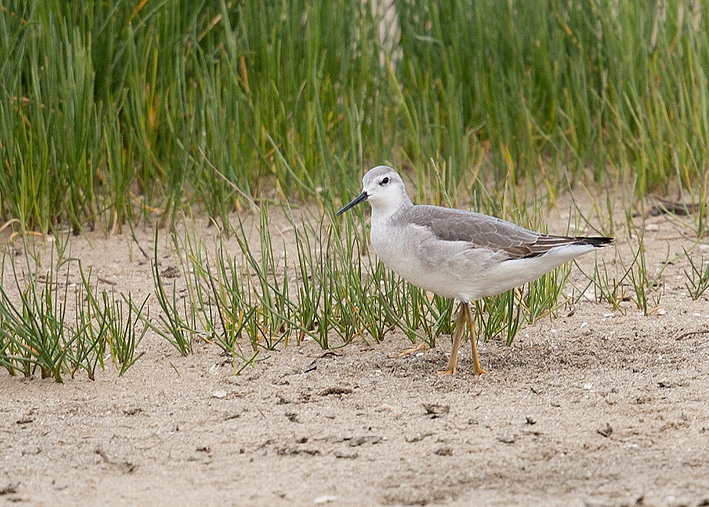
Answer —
593 407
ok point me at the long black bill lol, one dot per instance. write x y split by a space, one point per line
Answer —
361 197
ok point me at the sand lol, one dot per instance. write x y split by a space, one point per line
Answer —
593 406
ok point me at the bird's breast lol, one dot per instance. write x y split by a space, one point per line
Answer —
446 268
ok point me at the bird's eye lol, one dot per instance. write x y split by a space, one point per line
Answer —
384 181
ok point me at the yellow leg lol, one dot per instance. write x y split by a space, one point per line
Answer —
418 348
457 337
477 369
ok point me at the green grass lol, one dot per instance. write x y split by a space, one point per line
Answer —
697 276
38 332
111 111
118 113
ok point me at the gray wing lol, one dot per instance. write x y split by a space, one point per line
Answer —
483 231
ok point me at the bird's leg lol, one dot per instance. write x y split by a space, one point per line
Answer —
457 337
418 348
477 369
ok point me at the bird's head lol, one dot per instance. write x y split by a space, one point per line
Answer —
383 188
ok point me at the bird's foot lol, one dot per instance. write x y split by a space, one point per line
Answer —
418 348
447 371
477 370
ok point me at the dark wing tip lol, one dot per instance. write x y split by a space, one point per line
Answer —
597 241
546 243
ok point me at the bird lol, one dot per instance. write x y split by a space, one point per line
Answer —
458 254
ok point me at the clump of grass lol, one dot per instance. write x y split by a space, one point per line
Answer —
697 277
628 281
109 322
606 285
178 328
499 315
355 287
217 291
542 296
646 287
36 333
120 320
273 317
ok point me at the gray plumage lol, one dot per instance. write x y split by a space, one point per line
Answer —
491 233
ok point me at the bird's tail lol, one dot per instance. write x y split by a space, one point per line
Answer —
598 241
